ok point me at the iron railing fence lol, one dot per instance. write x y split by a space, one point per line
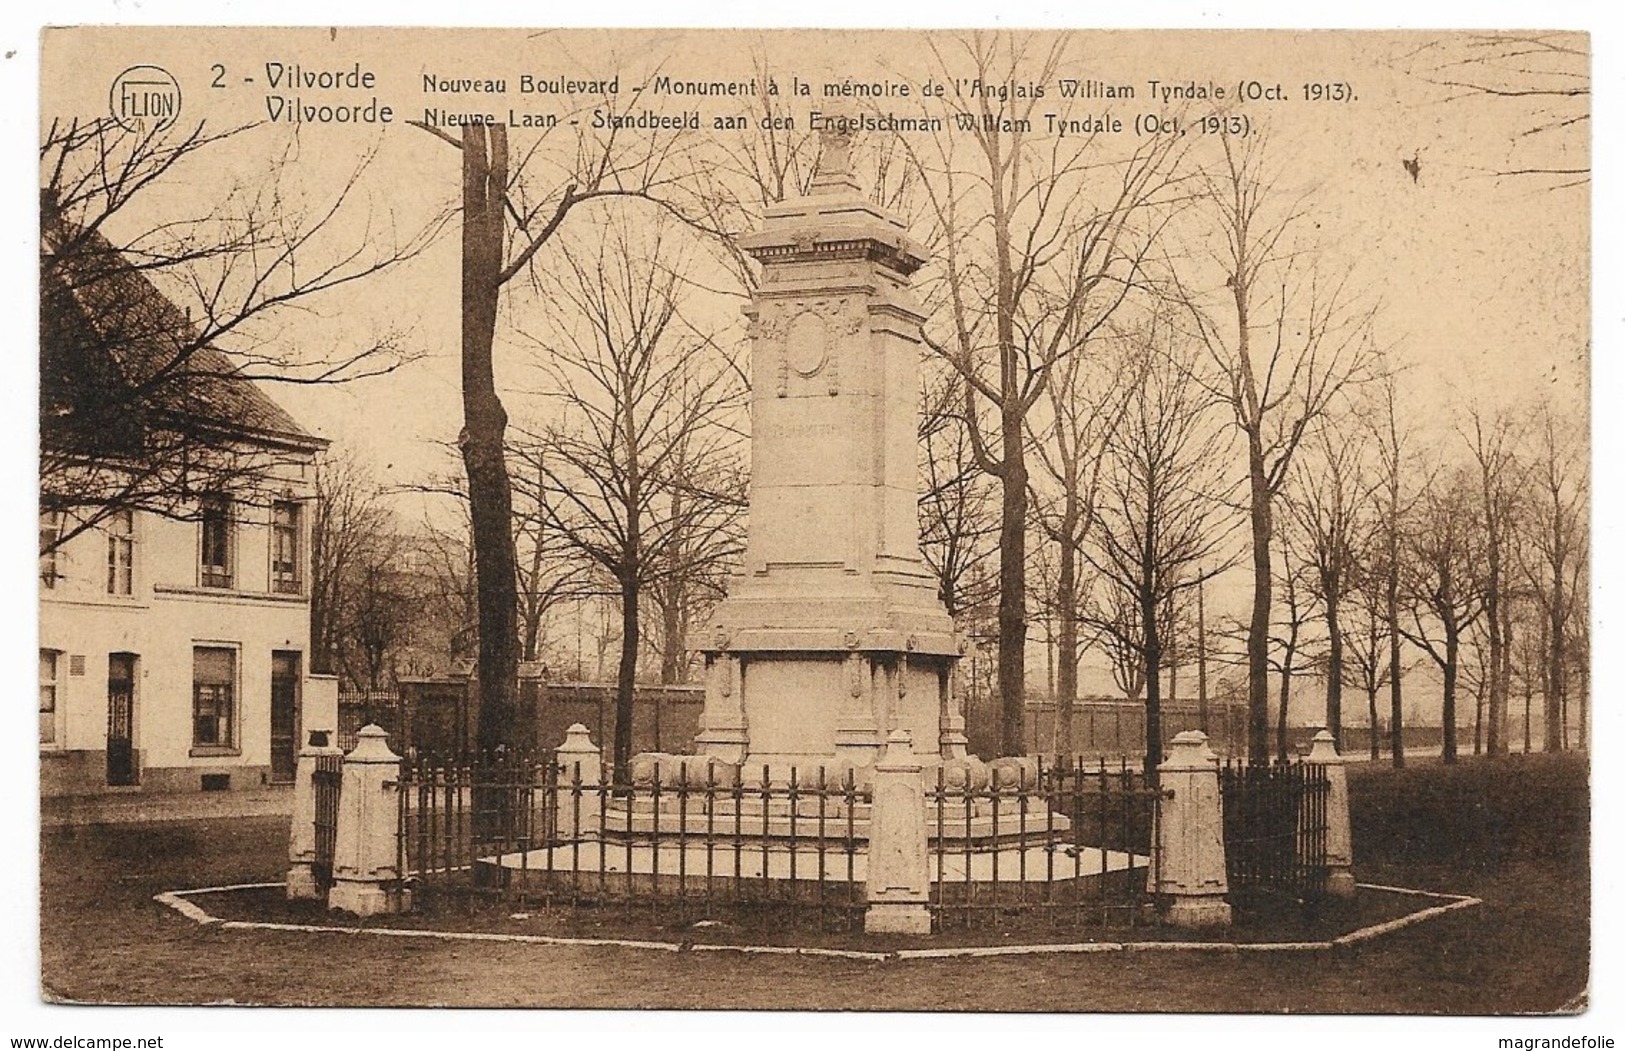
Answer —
326 780
683 844
1275 829
1069 844
1066 845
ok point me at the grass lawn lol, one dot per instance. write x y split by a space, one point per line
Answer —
1513 831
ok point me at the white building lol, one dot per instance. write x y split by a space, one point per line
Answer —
174 646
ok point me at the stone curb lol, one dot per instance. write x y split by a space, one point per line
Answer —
177 900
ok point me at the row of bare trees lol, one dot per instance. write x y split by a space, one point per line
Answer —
1145 370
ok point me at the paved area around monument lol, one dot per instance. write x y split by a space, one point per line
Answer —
140 807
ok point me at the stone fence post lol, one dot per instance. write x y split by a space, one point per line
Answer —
1189 865
302 832
1339 841
576 813
899 876
366 880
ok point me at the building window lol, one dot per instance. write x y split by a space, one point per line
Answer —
285 548
50 535
215 560
121 553
214 696
47 696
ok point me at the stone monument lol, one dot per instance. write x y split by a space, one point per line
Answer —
832 635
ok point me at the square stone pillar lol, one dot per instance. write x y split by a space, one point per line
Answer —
1189 865
899 880
366 879
302 830
580 771
1339 840
722 731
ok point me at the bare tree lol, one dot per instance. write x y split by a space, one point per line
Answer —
154 308
1036 241
640 467
1476 673
1085 403
1578 652
537 190
1442 583
1287 342
1536 84
1493 442
1160 506
1367 666
1287 655
548 573
1327 500
1112 617
1393 510
1555 556
351 529
959 522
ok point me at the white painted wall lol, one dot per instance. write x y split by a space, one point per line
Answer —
165 617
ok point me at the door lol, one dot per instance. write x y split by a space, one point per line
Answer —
121 719
284 714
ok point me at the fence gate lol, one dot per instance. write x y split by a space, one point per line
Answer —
1275 829
327 778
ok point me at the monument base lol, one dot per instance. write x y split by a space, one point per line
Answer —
1340 883
1198 912
368 898
302 882
897 918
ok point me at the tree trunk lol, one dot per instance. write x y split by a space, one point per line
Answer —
1449 716
1281 749
1173 668
1499 743
671 630
1494 739
1334 666
626 680
1396 715
1584 743
1258 630
1555 673
1528 703
1201 661
1478 721
1153 686
1066 598
674 643
1375 730
490 497
1013 587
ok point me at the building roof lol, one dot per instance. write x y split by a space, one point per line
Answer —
118 358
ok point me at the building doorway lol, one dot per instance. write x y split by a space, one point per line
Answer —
121 766
284 714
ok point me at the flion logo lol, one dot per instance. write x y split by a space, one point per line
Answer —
145 99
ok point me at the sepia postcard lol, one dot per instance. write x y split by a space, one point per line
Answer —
1068 522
